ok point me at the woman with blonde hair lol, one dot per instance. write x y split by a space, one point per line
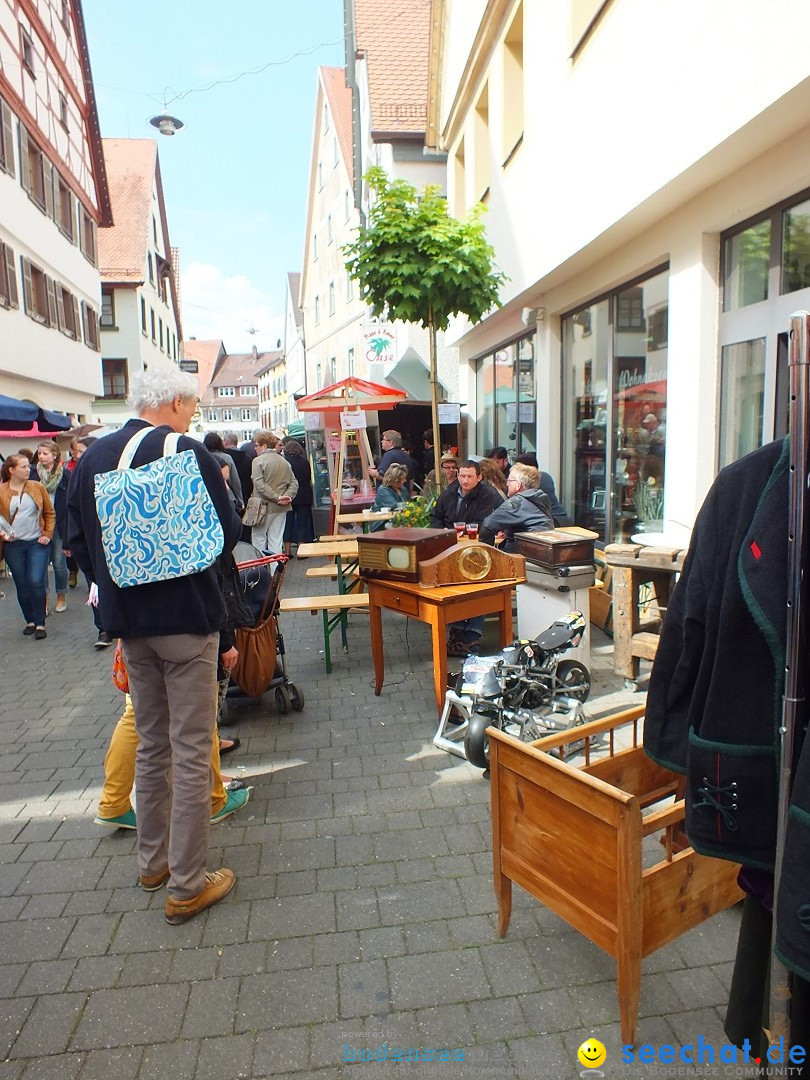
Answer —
389 494
50 472
27 522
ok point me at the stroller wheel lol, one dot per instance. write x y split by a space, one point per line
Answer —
296 697
282 700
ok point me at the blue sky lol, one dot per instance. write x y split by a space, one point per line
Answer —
235 178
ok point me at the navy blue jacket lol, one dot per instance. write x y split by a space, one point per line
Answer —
187 605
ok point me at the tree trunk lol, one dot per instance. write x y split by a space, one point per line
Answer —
434 404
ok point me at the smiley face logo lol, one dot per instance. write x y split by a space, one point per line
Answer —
592 1054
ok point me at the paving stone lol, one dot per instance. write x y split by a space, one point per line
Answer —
58 1067
129 1017
176 1060
36 939
288 917
210 1011
445 1025
339 948
49 1025
47 977
431 979
289 954
357 910
13 1014
123 1064
364 988
96 973
286 998
91 935
145 969
281 1051
509 968
244 959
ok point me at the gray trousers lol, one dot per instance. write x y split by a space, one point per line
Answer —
172 682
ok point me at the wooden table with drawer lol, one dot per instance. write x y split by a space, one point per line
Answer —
437 607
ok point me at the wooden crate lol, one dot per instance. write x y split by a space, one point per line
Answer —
572 837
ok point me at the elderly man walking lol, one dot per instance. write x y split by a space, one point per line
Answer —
170 635
275 484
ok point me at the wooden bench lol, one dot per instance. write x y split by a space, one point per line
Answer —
330 571
334 609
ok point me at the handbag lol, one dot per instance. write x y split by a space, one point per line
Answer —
158 521
255 512
256 645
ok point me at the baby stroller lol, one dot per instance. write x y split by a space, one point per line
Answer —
261 577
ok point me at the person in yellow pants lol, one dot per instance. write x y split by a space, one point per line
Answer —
115 804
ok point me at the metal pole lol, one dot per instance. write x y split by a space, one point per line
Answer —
779 1018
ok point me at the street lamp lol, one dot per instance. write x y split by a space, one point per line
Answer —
166 125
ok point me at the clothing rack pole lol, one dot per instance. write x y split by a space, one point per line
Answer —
798 360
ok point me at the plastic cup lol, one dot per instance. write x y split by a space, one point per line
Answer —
460 527
472 531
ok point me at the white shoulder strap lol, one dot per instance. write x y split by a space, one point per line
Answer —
131 448
170 444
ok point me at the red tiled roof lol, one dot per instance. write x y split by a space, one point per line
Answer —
340 105
395 37
122 248
206 353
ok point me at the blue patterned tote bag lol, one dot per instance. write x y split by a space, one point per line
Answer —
157 521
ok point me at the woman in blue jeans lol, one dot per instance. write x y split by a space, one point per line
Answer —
27 521
54 476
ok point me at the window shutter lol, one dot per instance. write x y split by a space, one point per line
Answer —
84 322
51 290
47 183
11 274
60 307
28 290
25 161
77 322
8 147
72 218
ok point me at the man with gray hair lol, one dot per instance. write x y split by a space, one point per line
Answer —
241 461
525 509
169 631
393 454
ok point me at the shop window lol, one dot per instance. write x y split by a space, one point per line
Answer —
512 120
6 139
746 261
614 410
9 296
505 399
742 399
115 378
796 248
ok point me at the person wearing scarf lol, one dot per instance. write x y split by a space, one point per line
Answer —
51 473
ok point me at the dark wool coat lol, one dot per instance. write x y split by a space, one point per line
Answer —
186 605
715 698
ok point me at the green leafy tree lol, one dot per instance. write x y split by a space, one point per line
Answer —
416 263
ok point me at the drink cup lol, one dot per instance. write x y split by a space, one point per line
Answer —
472 531
460 527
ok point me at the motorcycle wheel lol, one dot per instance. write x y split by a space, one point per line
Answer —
574 679
476 742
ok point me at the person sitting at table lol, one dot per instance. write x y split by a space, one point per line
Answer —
389 494
393 454
526 509
470 500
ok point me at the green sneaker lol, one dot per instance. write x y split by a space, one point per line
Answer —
123 821
234 801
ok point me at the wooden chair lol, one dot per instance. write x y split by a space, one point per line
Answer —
572 837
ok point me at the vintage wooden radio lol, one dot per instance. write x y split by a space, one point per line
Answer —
395 554
556 547
471 564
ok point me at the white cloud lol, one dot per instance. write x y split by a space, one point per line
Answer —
217 307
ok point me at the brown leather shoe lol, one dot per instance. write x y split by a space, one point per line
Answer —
153 882
218 884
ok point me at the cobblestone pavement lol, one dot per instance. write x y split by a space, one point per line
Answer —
364 912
